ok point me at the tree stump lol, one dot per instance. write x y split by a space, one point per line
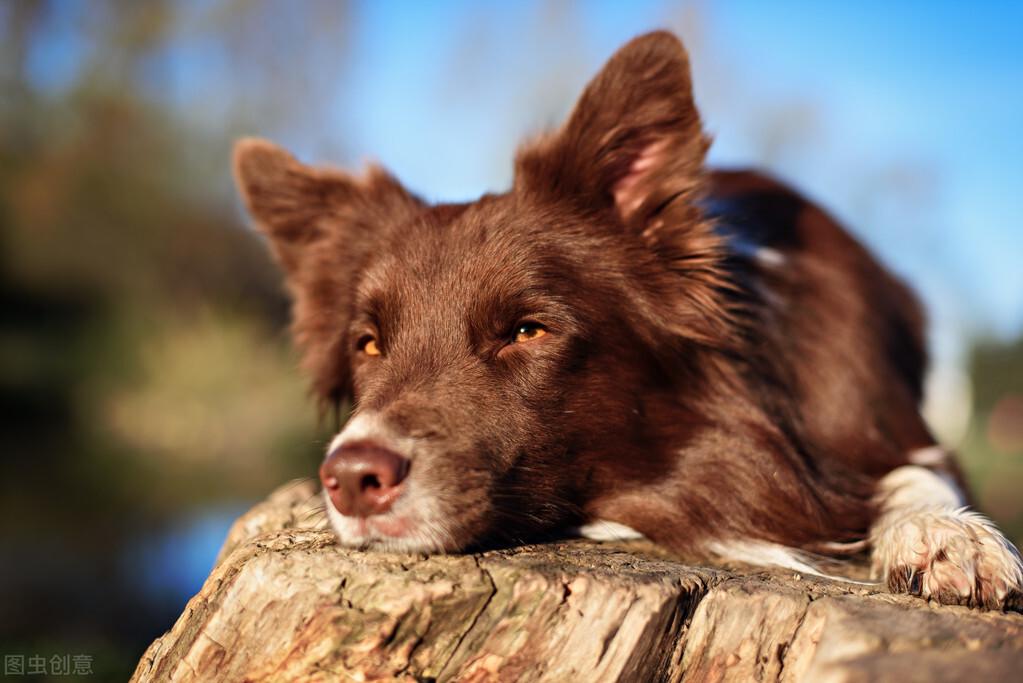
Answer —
285 602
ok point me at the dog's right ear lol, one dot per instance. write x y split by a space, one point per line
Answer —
322 225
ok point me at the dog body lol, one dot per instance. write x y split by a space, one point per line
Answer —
626 338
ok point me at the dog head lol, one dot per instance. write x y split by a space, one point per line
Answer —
503 357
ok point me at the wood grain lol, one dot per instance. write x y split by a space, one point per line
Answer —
286 603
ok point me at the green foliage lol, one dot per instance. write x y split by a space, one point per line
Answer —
992 452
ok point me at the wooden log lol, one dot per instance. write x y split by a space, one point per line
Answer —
285 602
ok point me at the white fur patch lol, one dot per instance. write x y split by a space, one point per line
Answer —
912 485
362 426
601 530
767 554
769 257
928 457
925 542
763 554
757 553
426 529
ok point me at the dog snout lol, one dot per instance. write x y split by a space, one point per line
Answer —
363 479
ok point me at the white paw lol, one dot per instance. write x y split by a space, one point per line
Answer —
948 554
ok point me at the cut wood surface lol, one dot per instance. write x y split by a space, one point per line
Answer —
285 602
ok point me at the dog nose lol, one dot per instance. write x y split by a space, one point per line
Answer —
363 479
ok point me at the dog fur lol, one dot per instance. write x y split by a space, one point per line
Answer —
723 368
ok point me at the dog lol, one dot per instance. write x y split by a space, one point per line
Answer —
625 342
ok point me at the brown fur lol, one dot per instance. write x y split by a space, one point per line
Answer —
684 388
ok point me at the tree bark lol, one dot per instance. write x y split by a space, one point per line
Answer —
285 602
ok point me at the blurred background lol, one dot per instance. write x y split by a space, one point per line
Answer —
148 393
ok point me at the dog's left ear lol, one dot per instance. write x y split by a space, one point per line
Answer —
634 146
634 140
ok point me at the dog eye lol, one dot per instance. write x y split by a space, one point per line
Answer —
528 332
368 345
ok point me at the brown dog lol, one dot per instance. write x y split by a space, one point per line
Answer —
627 342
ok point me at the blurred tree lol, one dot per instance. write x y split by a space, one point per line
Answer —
993 449
136 375
997 370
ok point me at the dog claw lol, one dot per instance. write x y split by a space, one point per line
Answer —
916 583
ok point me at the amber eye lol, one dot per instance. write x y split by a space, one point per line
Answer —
528 332
368 345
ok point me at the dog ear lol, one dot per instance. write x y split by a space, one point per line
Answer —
634 140
299 206
322 225
634 146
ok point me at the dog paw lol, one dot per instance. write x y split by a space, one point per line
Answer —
953 556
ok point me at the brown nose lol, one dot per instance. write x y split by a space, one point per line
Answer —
363 479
